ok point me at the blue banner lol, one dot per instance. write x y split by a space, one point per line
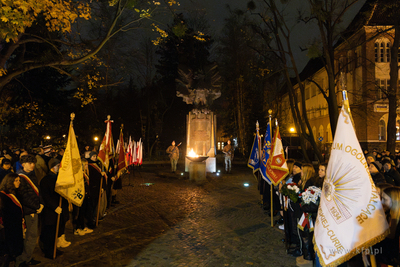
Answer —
265 154
255 157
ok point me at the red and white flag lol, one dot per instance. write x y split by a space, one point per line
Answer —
106 151
121 156
139 152
276 168
129 152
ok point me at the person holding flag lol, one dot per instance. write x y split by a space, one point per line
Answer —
51 211
119 170
350 215
70 181
97 187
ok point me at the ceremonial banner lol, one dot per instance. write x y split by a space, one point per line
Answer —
134 156
276 168
129 153
254 159
140 152
106 150
350 215
265 154
121 156
70 181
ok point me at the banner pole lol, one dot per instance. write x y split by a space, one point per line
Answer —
56 236
272 193
98 201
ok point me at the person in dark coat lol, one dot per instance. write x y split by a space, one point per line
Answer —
374 169
293 212
5 168
17 165
95 176
116 184
85 211
32 207
391 175
12 215
51 211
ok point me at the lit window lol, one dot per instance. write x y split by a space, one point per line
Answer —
382 50
398 130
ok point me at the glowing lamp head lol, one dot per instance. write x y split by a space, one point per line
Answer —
292 130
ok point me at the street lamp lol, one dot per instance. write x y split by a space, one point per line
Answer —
292 130
47 137
96 139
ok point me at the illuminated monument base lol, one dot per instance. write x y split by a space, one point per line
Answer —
200 134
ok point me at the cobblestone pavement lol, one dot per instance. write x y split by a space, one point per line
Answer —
174 222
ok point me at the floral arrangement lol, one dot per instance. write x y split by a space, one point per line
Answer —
292 191
311 196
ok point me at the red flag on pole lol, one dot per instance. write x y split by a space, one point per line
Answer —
106 151
129 159
140 152
276 168
121 167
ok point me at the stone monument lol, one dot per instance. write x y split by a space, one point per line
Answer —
199 90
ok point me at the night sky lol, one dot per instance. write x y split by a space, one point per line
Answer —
302 35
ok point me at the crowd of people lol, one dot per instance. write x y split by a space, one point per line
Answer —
31 208
297 218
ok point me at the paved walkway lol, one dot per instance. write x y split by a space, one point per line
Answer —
174 222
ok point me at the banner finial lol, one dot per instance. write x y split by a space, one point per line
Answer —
72 116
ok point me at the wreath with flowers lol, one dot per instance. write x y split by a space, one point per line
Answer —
292 191
310 199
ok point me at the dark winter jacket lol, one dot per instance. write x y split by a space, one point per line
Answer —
392 177
29 199
51 200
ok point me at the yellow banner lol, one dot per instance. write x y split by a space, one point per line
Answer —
70 182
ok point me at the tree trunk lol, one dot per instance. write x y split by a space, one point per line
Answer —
392 91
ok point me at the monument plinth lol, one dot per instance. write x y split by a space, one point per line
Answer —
200 136
200 90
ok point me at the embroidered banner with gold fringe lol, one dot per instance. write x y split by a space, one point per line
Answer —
350 215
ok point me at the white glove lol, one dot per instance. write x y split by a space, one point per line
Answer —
33 215
40 209
58 210
113 178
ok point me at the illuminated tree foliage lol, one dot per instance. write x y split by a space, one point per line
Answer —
62 32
